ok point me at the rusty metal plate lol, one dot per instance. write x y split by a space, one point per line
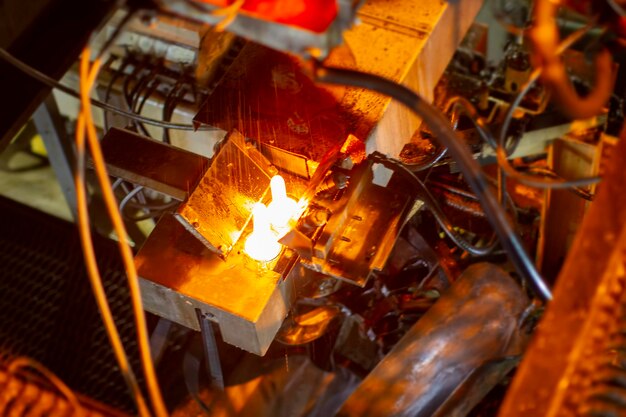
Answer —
220 207
269 97
538 387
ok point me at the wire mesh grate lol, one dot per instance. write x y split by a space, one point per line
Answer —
47 310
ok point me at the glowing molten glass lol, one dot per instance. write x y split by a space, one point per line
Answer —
282 208
262 244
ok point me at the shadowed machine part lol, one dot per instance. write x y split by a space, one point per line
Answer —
421 374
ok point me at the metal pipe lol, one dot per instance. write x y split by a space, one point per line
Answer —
476 322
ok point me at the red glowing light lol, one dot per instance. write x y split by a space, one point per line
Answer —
314 15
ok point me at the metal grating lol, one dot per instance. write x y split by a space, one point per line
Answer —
47 311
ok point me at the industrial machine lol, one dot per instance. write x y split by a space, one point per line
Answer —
315 208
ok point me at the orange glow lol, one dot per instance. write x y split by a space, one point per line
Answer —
262 244
282 208
314 15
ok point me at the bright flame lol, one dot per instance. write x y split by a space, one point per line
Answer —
262 244
282 208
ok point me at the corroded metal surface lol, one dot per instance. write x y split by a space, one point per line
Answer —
573 333
473 323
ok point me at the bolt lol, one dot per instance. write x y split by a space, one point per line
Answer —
318 217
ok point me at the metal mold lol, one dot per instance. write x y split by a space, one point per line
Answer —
219 208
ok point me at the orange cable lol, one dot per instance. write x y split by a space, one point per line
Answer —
88 250
24 362
125 250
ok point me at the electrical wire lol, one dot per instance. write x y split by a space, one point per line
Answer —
129 197
90 257
435 209
108 90
151 90
534 76
454 104
545 39
459 151
579 191
126 89
146 82
153 211
500 146
118 224
503 150
617 8
555 183
168 107
460 103
24 363
52 83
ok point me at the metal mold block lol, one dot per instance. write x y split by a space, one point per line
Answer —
179 276
219 208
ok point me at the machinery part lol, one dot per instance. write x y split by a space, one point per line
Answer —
430 30
462 156
148 163
60 154
571 350
248 300
360 234
211 353
287 35
545 39
220 207
441 350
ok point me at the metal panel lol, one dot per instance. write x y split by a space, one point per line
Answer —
362 228
156 165
563 211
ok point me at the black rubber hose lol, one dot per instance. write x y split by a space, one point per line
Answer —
459 151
